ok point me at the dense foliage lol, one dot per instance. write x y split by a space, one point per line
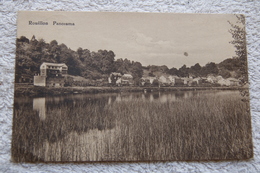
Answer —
238 33
30 54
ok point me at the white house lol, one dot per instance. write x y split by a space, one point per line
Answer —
51 75
211 79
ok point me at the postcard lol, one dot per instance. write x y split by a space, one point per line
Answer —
109 86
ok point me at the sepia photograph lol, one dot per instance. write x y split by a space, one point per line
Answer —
130 87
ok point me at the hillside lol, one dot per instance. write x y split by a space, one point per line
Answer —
87 65
231 67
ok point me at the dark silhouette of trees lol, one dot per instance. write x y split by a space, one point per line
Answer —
23 39
195 70
173 71
136 69
183 71
209 68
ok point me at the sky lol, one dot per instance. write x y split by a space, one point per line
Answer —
150 38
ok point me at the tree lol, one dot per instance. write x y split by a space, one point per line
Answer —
122 66
195 70
23 39
173 71
239 41
108 58
209 68
155 83
136 70
183 71
224 73
54 50
80 52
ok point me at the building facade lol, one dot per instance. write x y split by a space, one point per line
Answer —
51 75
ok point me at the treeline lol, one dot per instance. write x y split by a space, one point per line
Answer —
30 54
228 68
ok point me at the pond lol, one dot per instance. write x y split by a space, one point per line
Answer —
179 125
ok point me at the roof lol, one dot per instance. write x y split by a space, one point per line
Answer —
127 75
115 74
55 64
197 78
233 79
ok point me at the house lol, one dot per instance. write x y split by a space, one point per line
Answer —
53 69
223 82
204 80
187 81
147 80
172 79
115 79
51 75
219 78
127 79
233 81
164 80
228 81
212 79
184 80
197 80
151 79
179 82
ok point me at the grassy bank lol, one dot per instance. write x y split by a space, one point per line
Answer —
202 127
34 91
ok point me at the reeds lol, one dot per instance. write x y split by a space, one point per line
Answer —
202 127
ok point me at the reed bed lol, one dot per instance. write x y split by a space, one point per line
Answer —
202 127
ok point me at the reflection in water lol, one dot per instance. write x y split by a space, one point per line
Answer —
123 126
40 104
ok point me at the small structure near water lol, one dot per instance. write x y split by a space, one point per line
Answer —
51 75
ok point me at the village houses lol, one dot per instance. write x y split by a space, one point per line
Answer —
117 79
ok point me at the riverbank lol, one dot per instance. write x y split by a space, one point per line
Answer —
34 91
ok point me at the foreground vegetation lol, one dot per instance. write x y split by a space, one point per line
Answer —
206 126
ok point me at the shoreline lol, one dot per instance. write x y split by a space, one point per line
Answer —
34 91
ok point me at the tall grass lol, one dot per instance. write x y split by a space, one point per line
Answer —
203 127
195 129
